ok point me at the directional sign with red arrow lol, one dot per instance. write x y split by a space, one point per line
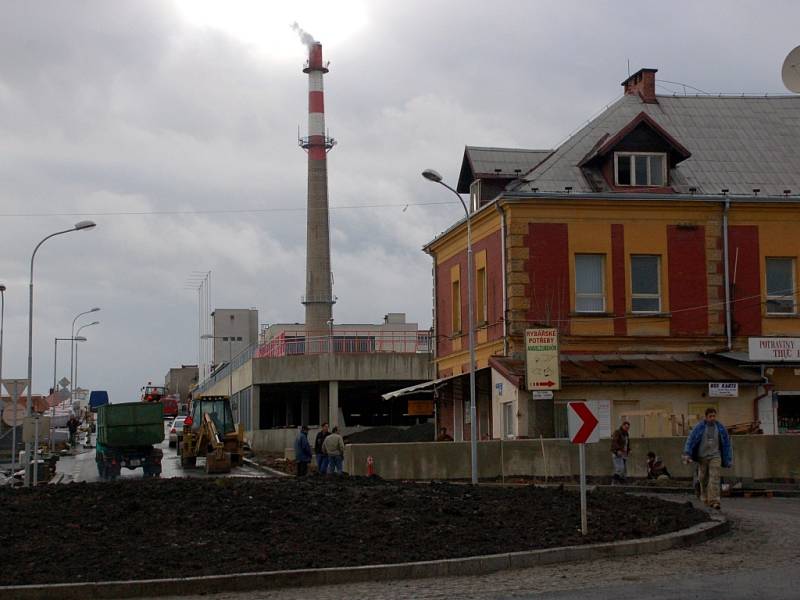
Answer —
582 423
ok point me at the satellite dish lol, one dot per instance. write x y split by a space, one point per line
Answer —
790 73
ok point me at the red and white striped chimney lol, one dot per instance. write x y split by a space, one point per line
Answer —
319 297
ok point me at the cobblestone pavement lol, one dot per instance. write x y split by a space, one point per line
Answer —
763 546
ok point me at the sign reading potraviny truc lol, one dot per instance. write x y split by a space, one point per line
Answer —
772 349
541 358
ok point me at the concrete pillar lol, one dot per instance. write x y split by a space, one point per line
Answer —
333 403
304 408
255 407
323 402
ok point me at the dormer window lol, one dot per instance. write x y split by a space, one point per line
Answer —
640 169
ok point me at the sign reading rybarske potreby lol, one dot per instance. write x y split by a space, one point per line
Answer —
541 357
723 390
774 348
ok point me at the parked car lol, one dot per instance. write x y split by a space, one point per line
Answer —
175 429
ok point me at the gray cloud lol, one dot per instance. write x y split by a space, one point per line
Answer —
125 107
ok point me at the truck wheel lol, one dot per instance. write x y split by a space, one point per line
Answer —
188 462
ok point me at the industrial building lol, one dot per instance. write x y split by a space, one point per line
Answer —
659 240
317 371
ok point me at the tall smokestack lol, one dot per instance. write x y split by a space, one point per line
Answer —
319 297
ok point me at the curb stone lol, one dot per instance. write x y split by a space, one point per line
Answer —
266 469
271 580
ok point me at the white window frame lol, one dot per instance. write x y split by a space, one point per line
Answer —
602 294
632 162
657 295
783 297
508 419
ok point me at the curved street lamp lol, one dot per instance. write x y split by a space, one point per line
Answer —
79 338
72 348
79 226
435 177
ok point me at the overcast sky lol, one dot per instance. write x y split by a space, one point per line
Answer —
193 106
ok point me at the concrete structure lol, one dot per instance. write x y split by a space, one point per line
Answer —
234 330
319 298
756 457
180 380
289 379
644 235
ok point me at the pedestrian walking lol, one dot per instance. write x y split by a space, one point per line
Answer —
302 451
333 446
322 458
620 450
709 445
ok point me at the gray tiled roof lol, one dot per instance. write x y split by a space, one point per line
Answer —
485 161
739 143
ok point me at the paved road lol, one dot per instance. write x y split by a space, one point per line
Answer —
758 559
82 467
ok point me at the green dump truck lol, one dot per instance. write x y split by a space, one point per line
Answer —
126 434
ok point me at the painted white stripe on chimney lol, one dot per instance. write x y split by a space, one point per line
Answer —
315 81
316 123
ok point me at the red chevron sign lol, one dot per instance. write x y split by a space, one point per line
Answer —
582 423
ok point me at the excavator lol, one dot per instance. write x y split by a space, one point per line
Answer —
209 431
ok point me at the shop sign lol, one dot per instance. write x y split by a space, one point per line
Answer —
541 358
723 390
772 349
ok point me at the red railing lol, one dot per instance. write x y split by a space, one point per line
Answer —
288 343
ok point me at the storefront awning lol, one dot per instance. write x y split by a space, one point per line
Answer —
427 386
605 369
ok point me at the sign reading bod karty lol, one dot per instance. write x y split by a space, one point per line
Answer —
541 357
774 348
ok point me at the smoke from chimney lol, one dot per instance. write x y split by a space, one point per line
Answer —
305 37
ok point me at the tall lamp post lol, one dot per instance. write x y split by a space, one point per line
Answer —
208 336
72 349
435 177
55 384
78 338
79 226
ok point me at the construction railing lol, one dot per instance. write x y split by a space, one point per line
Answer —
289 343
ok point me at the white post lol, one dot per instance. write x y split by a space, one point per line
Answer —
582 456
36 452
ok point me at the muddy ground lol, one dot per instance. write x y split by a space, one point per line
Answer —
136 529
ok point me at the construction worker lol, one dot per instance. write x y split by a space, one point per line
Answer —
620 449
710 447
333 446
302 451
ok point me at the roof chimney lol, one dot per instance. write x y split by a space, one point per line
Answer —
642 84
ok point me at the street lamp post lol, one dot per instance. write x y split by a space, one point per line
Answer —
55 384
81 225
72 349
434 176
208 336
78 338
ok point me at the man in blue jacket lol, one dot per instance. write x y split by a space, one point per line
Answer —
710 447
302 451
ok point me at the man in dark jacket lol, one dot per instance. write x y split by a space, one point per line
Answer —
72 426
302 451
322 458
620 449
710 447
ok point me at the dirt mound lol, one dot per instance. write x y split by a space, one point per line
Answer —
390 435
137 529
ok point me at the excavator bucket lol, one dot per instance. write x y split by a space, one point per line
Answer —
218 462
